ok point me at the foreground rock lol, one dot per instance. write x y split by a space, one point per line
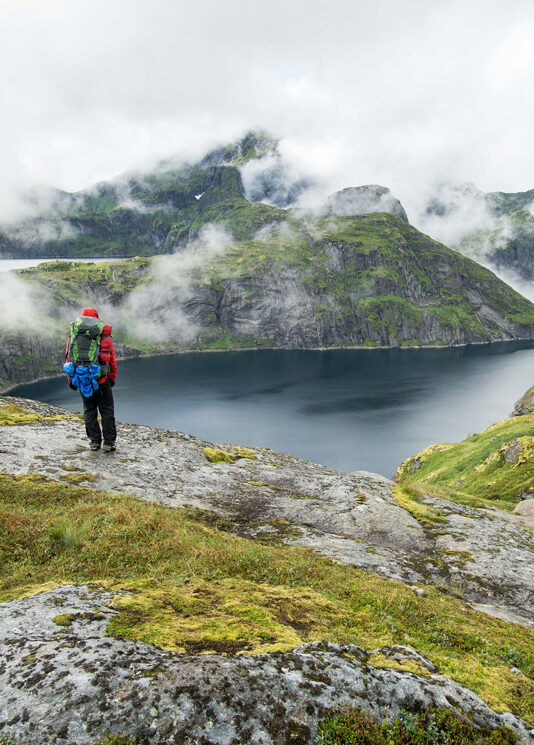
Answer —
65 683
485 557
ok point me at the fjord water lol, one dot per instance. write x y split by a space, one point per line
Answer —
349 409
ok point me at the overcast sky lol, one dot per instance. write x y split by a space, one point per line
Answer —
398 92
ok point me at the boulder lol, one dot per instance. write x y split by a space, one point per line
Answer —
525 405
526 507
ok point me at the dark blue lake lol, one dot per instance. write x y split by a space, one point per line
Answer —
350 409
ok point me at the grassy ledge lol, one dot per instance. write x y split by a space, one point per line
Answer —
191 587
493 468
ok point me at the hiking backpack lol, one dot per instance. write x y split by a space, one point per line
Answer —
84 343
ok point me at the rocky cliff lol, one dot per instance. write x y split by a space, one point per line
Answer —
187 604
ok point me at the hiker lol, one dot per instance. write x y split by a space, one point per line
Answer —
91 367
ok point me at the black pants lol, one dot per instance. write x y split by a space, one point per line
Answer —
101 401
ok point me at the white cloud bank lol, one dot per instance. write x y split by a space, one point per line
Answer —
401 94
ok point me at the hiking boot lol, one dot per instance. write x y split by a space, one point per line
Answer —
95 446
109 448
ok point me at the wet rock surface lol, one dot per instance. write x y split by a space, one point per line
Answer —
484 556
69 683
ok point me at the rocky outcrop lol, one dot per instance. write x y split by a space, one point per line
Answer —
525 405
356 518
67 675
70 682
363 200
526 507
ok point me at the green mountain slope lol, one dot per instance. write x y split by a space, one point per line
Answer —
338 281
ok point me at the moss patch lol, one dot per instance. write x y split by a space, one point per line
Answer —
64 619
77 478
230 455
410 501
14 414
406 664
229 614
434 726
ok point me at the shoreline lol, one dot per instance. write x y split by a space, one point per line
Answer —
164 353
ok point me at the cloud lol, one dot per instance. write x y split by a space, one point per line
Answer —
156 310
23 307
391 93
42 230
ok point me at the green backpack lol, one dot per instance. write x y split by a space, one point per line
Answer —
84 343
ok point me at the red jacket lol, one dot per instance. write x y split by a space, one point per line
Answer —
107 352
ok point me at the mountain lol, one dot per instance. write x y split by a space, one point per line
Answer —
242 184
372 280
197 592
142 214
493 227
211 269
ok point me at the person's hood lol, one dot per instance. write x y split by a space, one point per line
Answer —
90 312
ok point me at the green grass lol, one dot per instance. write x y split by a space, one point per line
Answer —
191 587
494 467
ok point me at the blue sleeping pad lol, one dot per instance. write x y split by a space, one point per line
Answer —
84 378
